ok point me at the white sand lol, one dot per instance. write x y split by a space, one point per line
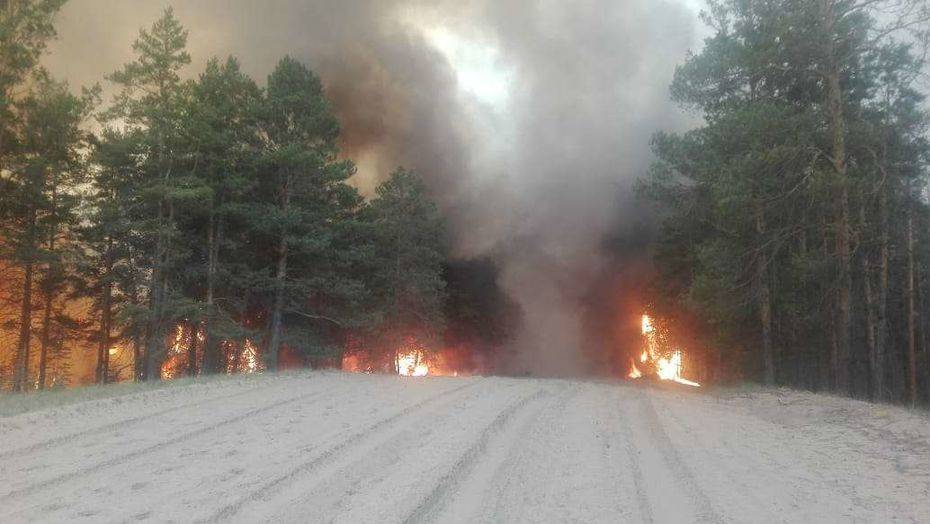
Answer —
333 447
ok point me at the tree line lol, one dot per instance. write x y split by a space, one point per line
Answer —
200 220
794 219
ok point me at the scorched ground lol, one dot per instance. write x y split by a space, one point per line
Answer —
334 447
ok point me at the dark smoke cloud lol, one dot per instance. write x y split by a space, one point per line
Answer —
537 178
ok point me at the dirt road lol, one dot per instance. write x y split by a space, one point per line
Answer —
331 447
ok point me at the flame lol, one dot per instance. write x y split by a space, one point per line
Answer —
353 364
412 364
667 364
251 357
172 362
670 369
411 358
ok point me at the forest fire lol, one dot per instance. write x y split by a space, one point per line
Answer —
412 364
666 363
186 345
410 360
174 361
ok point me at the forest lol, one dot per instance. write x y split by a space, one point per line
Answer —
208 223
200 226
794 219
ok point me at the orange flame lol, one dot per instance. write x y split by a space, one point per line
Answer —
667 363
412 364
172 363
411 358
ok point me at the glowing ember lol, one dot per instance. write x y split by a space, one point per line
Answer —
670 369
411 358
172 363
667 363
251 357
412 364
353 364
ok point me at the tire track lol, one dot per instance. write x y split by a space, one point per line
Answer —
499 476
683 475
330 491
121 459
52 442
230 510
433 503
639 483
764 471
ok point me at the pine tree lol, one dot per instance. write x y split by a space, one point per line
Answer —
43 174
110 270
223 140
408 286
301 193
781 205
25 29
150 107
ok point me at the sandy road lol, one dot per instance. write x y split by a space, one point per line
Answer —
330 447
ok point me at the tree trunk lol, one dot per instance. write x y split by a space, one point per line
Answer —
828 364
921 311
837 130
881 335
192 347
106 319
138 358
103 337
911 312
154 340
48 291
763 295
155 344
277 311
44 339
25 331
871 325
211 346
25 315
138 343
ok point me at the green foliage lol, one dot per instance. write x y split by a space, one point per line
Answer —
750 199
409 290
25 29
211 205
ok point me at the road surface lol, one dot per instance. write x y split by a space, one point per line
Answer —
333 447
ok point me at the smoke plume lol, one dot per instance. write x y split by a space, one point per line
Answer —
529 119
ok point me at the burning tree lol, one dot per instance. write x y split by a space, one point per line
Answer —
408 290
217 230
41 168
658 356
